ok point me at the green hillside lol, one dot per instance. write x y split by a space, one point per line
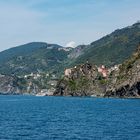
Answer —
20 50
111 49
33 57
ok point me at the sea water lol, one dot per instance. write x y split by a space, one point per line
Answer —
68 118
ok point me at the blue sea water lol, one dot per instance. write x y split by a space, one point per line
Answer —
68 118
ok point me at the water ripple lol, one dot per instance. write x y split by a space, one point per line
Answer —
64 118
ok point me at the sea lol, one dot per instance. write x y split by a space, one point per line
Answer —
68 118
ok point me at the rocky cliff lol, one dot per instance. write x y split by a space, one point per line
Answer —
15 85
89 80
126 81
7 84
83 80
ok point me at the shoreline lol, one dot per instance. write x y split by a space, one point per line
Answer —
25 94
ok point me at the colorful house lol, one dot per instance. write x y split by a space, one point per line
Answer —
103 71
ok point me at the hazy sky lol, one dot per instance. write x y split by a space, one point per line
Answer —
63 21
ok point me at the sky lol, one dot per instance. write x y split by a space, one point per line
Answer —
64 22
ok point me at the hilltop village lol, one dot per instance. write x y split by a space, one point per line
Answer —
85 80
105 72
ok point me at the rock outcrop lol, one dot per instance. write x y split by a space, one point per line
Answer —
126 81
8 85
15 85
84 80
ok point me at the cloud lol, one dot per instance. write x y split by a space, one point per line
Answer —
71 44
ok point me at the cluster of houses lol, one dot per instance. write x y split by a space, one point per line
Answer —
102 70
52 79
49 79
35 76
38 75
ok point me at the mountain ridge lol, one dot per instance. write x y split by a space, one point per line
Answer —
109 50
121 42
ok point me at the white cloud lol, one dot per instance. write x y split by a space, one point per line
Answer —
71 44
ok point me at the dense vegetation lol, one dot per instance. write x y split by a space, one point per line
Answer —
112 49
33 57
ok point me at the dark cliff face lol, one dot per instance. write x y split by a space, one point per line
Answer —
85 80
8 84
127 78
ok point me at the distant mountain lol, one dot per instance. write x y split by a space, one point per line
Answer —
20 50
111 49
32 57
